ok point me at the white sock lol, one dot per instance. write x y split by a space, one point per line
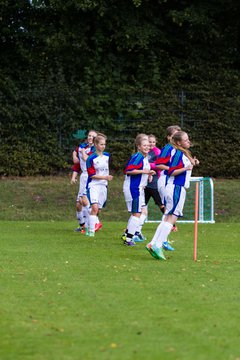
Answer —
142 221
86 216
80 217
92 222
165 230
133 224
157 233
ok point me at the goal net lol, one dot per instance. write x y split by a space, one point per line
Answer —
206 203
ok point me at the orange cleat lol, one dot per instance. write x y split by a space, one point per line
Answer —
98 226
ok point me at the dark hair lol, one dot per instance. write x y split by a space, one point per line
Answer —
152 136
171 130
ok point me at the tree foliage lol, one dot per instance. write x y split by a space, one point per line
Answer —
117 66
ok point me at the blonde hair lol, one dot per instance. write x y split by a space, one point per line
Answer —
98 138
140 138
174 141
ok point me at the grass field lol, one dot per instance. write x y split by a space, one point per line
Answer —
53 198
65 296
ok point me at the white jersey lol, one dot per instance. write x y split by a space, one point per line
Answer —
88 150
97 165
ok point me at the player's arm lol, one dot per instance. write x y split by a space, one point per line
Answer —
140 171
181 170
75 157
84 154
177 165
161 163
74 177
135 167
161 167
103 177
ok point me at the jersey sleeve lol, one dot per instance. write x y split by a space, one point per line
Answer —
176 162
164 156
76 168
90 166
134 163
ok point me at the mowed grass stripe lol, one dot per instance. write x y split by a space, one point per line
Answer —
67 296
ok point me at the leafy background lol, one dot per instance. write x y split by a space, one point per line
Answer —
120 67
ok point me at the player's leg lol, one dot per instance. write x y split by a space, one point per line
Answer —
86 212
98 197
93 196
102 201
79 214
81 192
133 206
144 198
175 197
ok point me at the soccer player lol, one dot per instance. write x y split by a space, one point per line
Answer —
178 180
80 156
98 177
137 174
162 164
151 190
163 160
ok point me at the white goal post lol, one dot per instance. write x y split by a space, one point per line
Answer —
205 203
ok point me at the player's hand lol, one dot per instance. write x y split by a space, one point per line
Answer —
73 181
109 177
152 172
189 167
196 161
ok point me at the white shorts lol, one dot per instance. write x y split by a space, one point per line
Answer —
175 196
97 195
82 185
134 205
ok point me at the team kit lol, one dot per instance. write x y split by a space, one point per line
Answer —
161 174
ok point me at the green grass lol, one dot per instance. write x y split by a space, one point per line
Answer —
66 296
53 198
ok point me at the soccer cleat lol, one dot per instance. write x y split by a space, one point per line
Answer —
174 228
91 234
141 236
149 249
129 243
167 246
80 230
137 238
123 237
98 226
157 253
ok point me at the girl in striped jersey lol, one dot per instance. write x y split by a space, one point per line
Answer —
137 174
162 163
178 180
163 160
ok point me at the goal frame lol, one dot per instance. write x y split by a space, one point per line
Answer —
200 180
